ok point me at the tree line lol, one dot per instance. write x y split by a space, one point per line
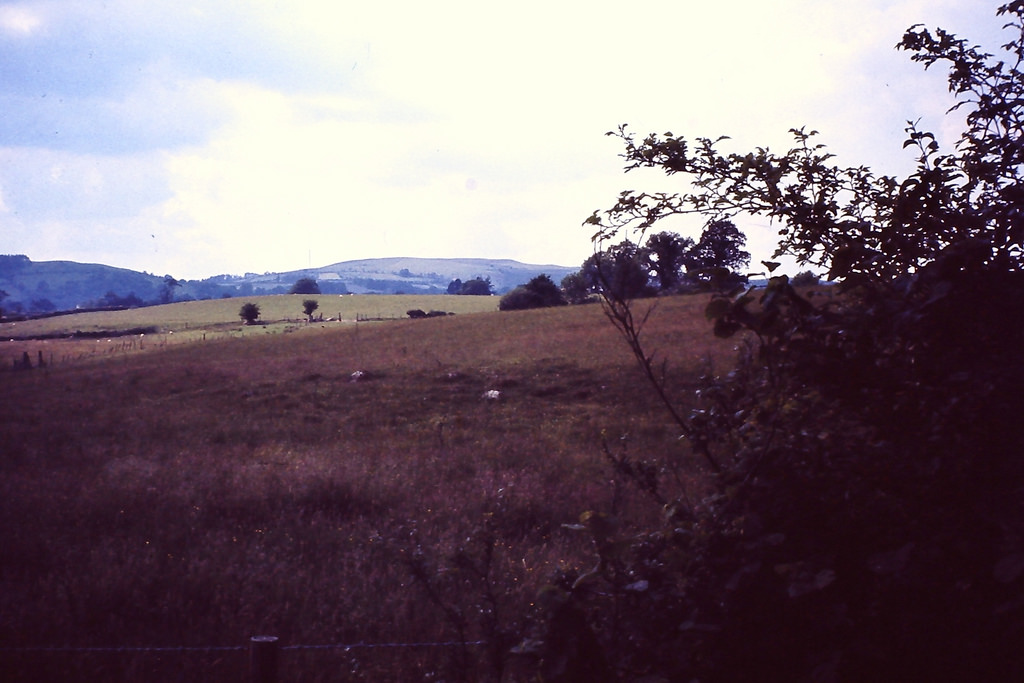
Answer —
664 263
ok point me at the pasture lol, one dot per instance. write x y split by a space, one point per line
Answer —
202 492
217 319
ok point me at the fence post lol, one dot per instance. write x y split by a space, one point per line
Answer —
263 659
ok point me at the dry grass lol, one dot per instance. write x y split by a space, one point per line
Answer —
186 322
194 314
206 492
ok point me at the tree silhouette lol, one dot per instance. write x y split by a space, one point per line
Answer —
249 312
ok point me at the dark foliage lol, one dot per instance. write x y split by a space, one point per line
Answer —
540 292
865 517
805 278
167 289
721 246
305 285
620 271
308 306
668 256
475 287
665 262
249 312
575 288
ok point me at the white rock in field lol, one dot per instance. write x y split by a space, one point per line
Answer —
491 395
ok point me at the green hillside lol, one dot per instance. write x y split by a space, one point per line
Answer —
42 286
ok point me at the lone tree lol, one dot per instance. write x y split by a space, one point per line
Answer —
668 255
864 519
249 312
721 246
305 285
167 289
308 306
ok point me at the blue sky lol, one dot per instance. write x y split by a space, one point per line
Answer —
223 137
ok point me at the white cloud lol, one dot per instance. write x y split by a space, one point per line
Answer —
19 20
261 135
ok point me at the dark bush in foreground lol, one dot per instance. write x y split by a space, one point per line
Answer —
864 514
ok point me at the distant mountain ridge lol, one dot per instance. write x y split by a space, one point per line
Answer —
45 286
411 275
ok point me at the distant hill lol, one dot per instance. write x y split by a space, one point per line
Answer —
408 275
46 286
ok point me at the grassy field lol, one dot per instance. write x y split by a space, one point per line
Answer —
190 321
199 493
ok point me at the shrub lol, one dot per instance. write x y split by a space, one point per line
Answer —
249 312
308 306
540 292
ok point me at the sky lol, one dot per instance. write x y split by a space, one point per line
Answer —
196 139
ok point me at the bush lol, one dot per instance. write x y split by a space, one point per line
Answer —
540 292
308 306
249 312
519 299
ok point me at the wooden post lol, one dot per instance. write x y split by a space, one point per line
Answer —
263 659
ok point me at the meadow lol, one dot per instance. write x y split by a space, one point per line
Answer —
105 333
196 493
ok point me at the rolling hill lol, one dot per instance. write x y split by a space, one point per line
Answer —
44 286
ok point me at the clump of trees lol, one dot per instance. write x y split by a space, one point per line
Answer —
540 292
476 287
863 520
664 262
305 285
112 300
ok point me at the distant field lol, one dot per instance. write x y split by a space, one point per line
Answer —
213 319
284 307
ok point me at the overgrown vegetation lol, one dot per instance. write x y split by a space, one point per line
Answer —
865 518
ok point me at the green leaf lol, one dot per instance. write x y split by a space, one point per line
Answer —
771 265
